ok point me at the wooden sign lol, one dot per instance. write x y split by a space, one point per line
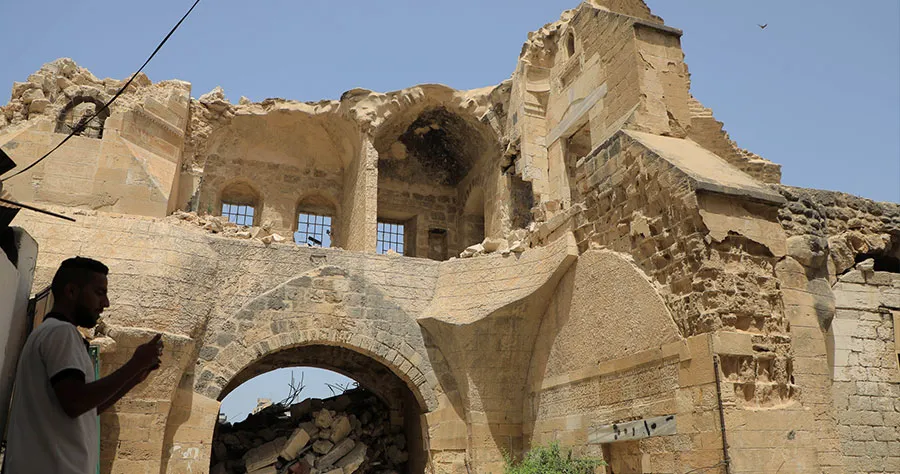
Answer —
632 430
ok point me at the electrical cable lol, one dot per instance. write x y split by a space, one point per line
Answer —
83 123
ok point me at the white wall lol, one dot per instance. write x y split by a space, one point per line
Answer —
15 290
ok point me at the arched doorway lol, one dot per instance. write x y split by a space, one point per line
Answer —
354 323
393 413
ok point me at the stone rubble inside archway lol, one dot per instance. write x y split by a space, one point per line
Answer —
354 432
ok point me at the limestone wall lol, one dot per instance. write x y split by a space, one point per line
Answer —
283 191
829 232
640 204
866 369
715 258
608 352
423 209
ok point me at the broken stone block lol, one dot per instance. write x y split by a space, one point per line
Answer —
322 446
62 83
324 418
517 247
213 225
325 434
212 96
355 423
38 105
32 95
300 410
339 451
351 462
310 428
19 88
339 404
297 441
264 455
340 429
518 234
278 238
491 244
472 251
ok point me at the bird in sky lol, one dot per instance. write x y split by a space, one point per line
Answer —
762 27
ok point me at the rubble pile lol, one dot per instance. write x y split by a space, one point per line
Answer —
537 233
221 225
515 242
349 433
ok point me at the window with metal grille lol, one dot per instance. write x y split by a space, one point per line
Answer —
313 230
390 237
240 214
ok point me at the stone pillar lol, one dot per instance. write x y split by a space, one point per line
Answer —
359 208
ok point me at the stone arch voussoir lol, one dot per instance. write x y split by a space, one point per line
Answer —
286 317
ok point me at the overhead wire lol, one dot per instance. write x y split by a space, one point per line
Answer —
83 123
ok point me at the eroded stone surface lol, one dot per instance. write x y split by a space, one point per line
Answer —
617 248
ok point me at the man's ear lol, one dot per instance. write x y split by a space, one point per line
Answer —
72 291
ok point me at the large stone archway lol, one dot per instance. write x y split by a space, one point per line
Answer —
406 411
327 317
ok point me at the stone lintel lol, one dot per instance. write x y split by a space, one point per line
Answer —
575 115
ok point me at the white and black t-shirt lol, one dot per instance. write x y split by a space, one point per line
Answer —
42 438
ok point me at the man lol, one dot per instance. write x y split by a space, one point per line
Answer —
53 419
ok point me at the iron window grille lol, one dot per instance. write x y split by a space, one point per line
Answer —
390 237
240 214
313 230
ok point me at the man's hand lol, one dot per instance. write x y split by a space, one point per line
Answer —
147 356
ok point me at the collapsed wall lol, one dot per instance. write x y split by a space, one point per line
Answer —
634 285
349 433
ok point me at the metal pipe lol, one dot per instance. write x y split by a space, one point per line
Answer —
726 459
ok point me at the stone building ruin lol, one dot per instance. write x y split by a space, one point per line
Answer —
574 254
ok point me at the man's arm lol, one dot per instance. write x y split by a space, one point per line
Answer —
78 397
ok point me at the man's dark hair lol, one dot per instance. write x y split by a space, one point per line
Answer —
76 270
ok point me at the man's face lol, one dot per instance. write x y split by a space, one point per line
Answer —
91 300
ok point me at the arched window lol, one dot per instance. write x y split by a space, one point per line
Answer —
77 116
240 203
570 44
315 216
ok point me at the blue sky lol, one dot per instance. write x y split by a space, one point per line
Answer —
817 91
275 386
